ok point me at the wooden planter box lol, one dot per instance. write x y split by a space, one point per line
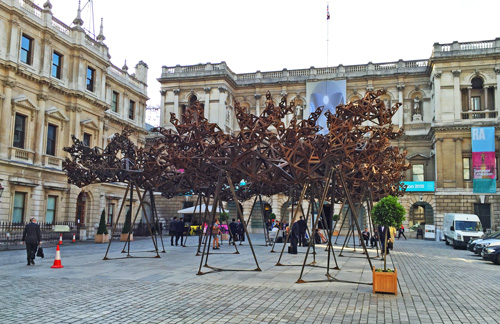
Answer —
124 236
101 238
385 282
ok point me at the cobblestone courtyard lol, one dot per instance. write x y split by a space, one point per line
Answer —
437 285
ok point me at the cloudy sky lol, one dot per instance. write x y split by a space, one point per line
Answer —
270 35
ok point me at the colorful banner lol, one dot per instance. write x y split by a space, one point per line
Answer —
326 94
419 185
483 160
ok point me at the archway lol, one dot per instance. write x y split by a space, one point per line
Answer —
81 207
421 213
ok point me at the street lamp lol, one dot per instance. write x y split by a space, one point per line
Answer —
1 190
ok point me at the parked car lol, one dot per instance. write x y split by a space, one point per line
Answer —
480 246
472 243
492 253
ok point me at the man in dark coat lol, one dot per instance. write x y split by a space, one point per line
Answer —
32 237
382 232
241 231
233 228
180 231
173 230
294 238
302 231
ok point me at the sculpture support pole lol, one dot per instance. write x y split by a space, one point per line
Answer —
117 219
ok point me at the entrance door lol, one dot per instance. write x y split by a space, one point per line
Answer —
483 211
80 209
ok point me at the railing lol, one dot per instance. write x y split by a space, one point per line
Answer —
21 154
53 161
327 70
31 7
476 45
272 75
479 114
56 23
356 68
303 72
419 63
386 66
12 233
89 40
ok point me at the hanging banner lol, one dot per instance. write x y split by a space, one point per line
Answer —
483 160
326 94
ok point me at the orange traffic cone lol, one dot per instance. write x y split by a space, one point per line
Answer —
57 261
74 239
60 239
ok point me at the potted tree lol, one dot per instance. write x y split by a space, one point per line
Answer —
387 212
127 228
102 232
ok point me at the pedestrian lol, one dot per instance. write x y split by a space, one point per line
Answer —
294 238
402 232
180 231
233 229
383 233
173 230
302 231
374 240
215 234
241 231
32 237
366 236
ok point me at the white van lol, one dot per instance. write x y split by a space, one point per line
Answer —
460 228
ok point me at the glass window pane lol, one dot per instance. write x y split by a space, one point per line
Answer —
51 209
18 212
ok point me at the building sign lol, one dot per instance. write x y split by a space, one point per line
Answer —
483 160
419 185
430 232
326 94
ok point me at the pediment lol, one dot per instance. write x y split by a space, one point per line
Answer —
417 156
23 102
90 124
56 113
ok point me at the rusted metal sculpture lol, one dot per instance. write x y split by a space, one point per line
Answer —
199 158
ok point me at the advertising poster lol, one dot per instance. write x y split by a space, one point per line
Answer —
326 94
483 159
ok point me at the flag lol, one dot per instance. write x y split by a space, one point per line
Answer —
327 12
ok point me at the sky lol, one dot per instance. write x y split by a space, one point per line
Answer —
269 35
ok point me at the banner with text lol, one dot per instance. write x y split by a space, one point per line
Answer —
326 94
483 160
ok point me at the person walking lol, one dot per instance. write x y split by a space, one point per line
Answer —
172 230
233 228
32 237
401 232
241 231
215 235
383 233
180 231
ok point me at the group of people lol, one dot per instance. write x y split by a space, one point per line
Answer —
237 232
381 233
176 230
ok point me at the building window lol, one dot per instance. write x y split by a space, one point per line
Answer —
114 101
467 171
111 209
131 109
50 215
56 65
87 138
19 203
90 79
19 131
27 49
51 140
418 172
475 103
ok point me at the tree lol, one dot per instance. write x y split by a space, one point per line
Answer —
128 220
102 224
388 212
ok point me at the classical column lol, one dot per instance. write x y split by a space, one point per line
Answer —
222 107
459 178
497 92
13 49
437 95
39 128
399 113
257 104
469 96
486 107
163 112
6 119
176 103
47 57
207 103
457 100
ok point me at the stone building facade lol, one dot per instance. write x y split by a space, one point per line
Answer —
442 97
57 81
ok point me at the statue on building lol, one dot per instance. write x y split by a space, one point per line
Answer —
417 109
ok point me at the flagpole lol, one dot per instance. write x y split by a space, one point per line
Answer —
327 33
